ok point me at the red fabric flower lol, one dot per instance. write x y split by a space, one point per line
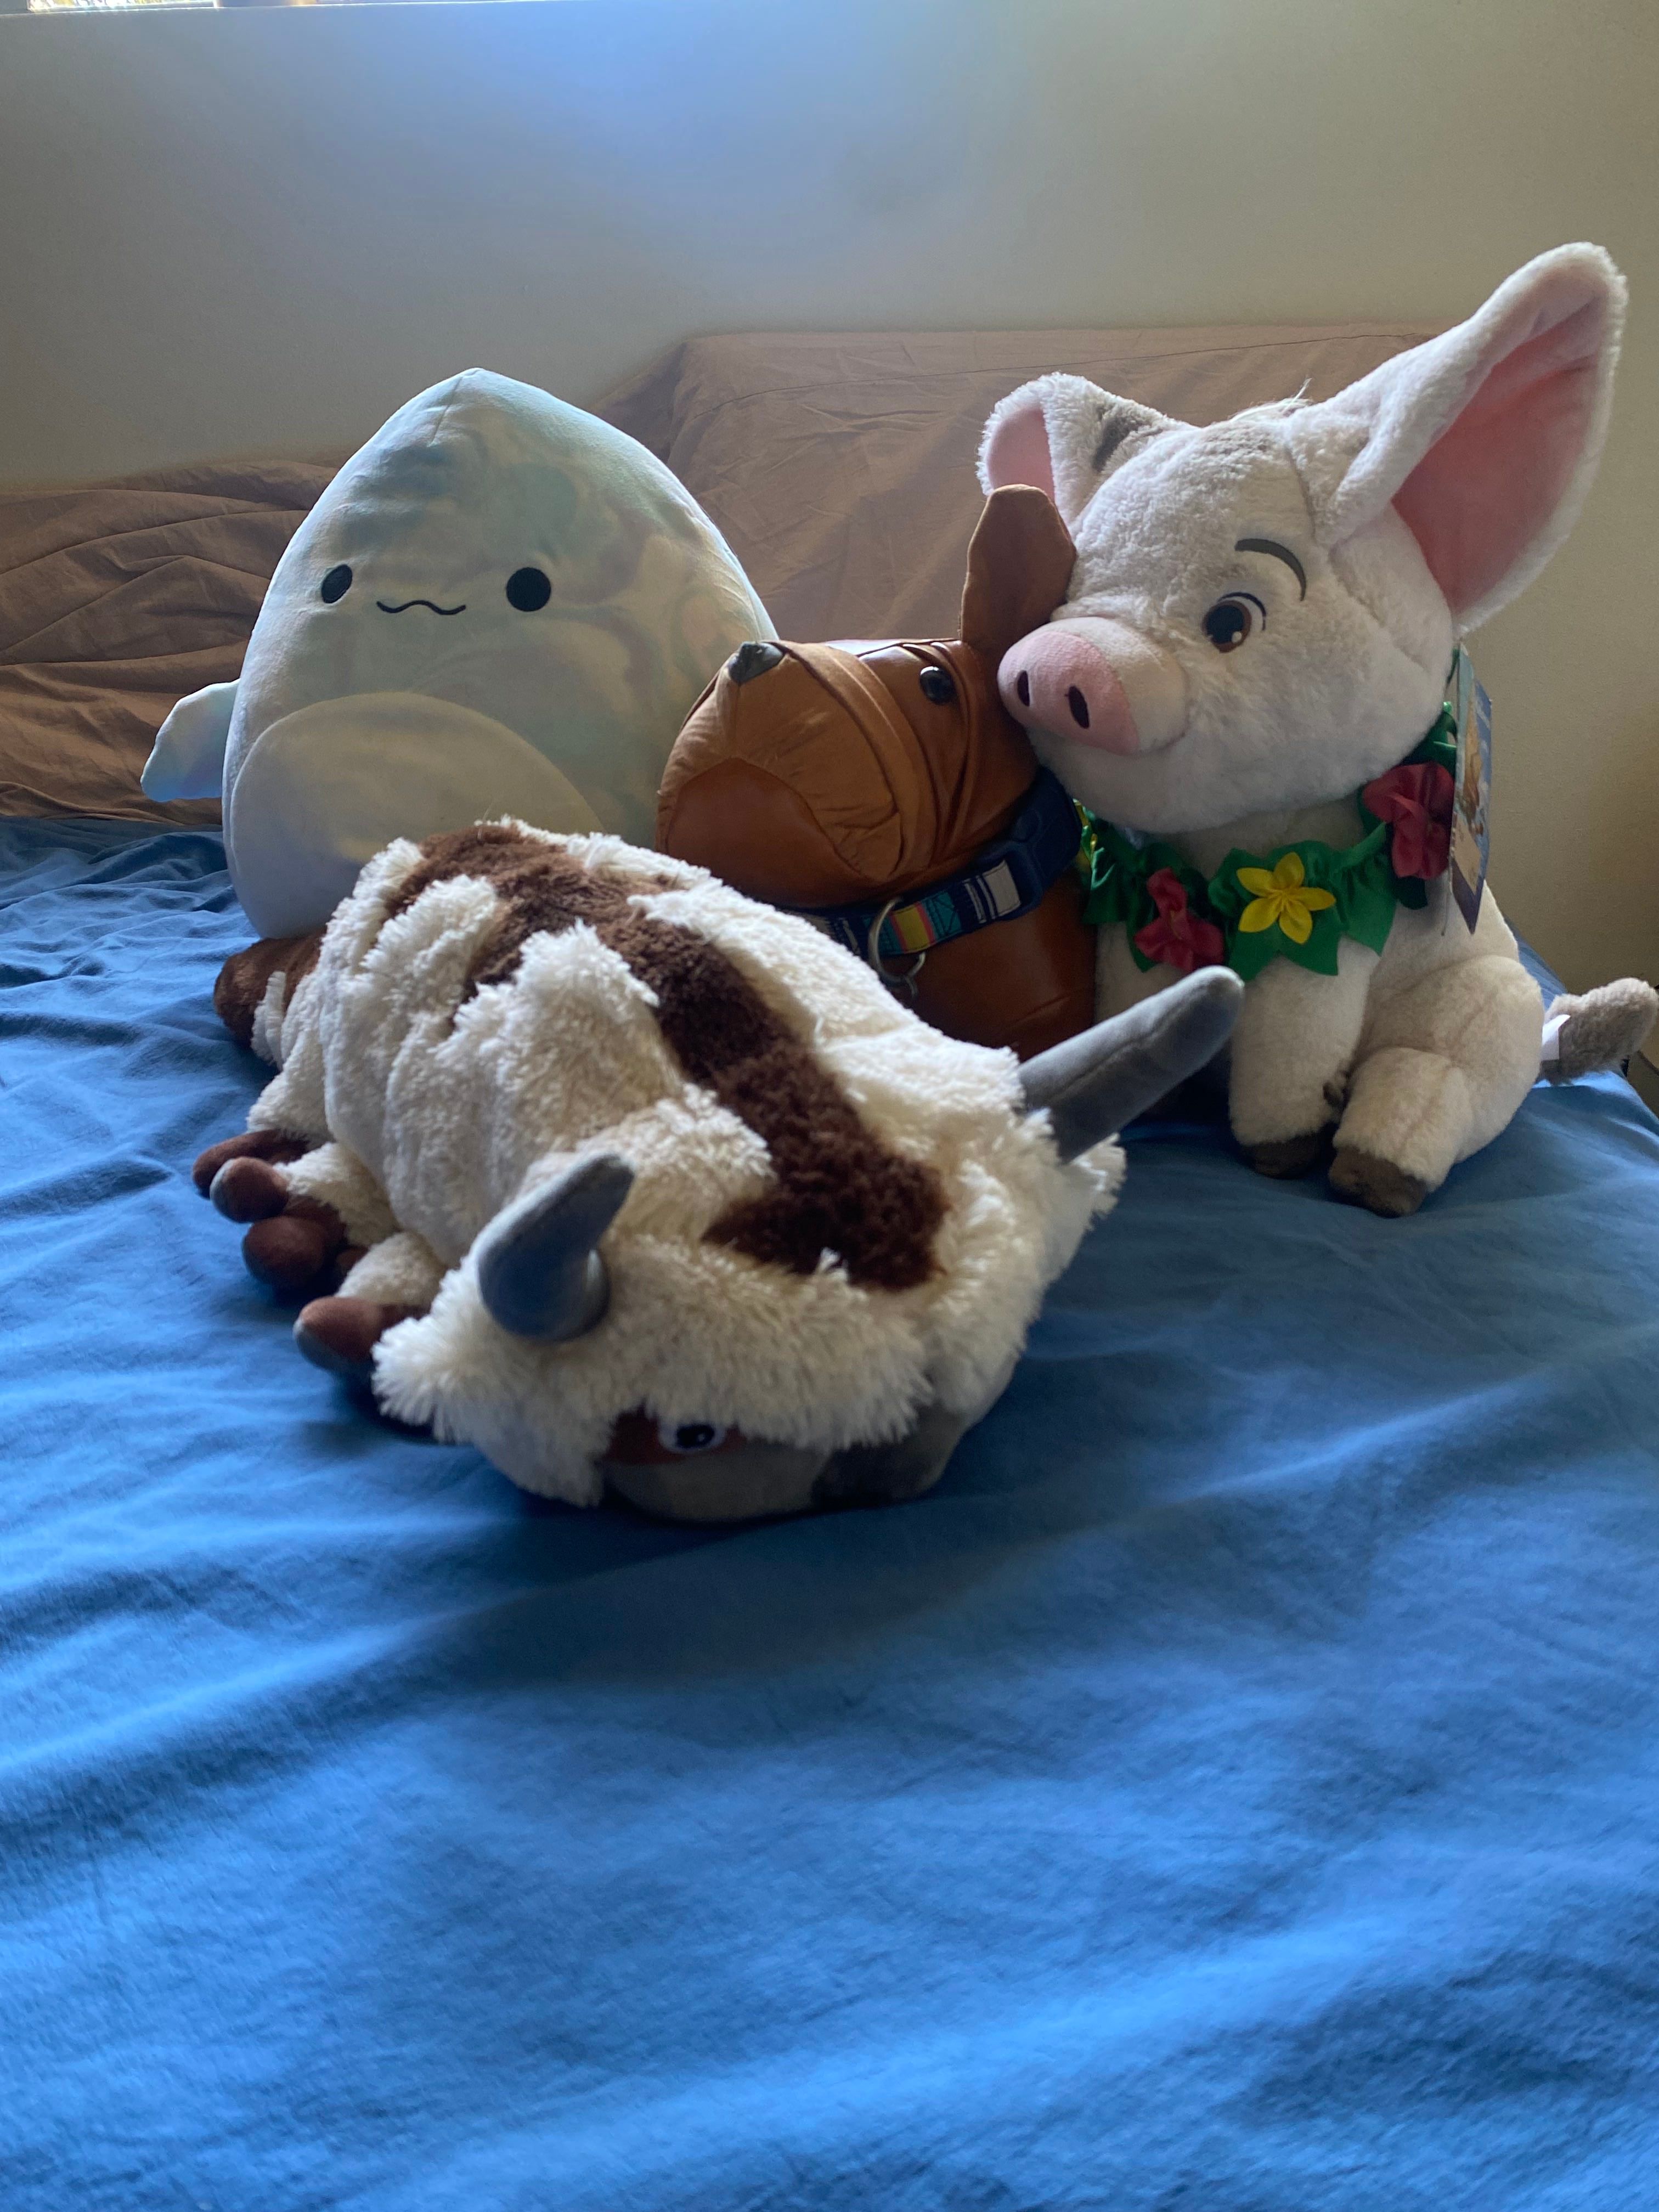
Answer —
1418 800
1178 935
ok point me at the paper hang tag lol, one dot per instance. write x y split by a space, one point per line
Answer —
1471 830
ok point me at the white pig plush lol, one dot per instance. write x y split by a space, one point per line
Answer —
1247 685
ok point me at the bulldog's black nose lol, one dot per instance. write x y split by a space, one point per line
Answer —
753 660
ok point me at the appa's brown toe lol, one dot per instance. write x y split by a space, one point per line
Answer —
251 1144
248 1190
340 1334
290 1250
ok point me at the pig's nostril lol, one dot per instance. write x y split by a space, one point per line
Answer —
1023 686
1080 707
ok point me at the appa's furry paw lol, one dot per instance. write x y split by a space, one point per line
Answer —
1361 1179
1602 1028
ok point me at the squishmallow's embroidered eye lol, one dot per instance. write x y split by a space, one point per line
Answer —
1231 621
939 685
528 590
685 1439
334 585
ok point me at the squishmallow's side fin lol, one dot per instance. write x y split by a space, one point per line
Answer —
188 758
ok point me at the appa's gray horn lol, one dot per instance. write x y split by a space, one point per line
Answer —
1095 1082
538 1272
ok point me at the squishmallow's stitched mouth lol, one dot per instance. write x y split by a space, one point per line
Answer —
408 604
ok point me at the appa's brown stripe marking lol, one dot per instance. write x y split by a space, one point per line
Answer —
839 1189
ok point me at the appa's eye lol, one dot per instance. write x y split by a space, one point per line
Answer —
1233 620
685 1439
334 585
937 684
528 589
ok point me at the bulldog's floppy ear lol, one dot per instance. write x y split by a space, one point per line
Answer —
1019 570
1063 434
1485 439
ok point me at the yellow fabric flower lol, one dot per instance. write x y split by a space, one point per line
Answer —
1285 898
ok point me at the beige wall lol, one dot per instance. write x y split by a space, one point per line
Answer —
264 229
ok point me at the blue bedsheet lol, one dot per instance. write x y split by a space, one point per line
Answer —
1233 1791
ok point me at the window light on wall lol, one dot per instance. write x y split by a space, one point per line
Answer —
102 7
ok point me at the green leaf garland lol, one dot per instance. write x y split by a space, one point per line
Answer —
1360 878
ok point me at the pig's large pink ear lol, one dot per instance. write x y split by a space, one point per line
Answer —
1064 435
1485 439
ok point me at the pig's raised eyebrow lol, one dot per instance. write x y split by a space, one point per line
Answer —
1280 553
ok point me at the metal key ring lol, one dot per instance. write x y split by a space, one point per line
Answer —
892 977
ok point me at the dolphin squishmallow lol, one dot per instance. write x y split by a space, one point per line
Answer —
499 605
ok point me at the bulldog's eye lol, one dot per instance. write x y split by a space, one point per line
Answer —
1233 619
937 685
334 585
685 1439
528 590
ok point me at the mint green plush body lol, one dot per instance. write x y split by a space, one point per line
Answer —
395 686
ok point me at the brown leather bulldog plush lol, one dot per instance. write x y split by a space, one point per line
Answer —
883 789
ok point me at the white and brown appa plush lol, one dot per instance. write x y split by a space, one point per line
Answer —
639 1184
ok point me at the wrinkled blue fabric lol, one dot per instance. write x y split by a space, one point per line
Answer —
1233 1791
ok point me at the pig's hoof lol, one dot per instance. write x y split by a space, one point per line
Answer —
339 1334
1362 1179
1285 1156
247 1190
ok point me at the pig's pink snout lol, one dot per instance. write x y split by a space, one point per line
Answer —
1115 690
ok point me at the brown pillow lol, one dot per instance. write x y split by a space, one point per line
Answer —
115 600
840 468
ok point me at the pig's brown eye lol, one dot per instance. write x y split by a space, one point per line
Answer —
1233 620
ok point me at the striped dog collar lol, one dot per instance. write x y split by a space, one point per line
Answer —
1009 877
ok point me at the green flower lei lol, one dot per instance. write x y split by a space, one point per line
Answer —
1360 878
